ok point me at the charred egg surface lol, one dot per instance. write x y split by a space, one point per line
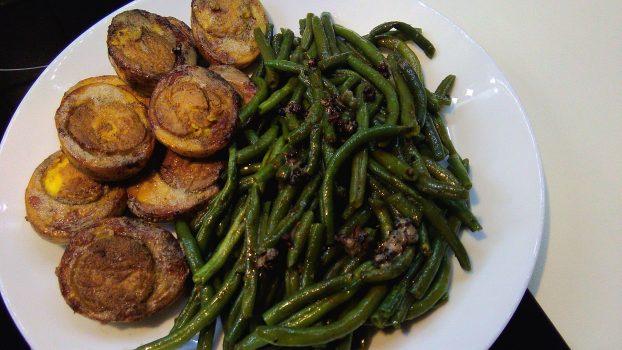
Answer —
61 200
223 30
121 270
180 186
193 111
103 129
143 47
237 79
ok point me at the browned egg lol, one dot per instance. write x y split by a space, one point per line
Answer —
143 47
180 186
61 200
223 30
121 270
237 79
193 111
103 129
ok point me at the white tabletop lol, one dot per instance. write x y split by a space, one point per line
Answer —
564 59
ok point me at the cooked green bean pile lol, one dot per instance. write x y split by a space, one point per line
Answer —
343 196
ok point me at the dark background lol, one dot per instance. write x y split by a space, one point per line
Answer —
33 32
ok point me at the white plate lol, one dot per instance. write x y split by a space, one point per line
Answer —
486 121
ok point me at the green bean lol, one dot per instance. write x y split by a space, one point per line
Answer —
307 34
282 202
218 205
330 87
278 96
444 88
314 117
358 177
283 309
286 224
358 219
305 317
319 36
424 239
328 131
224 248
438 289
251 107
328 255
315 148
415 35
349 82
267 53
456 166
405 207
434 140
440 173
382 215
253 151
276 43
397 167
408 116
249 169
430 211
368 49
192 306
285 336
404 50
462 211
440 189
392 301
417 88
336 268
311 261
430 267
333 61
393 269
189 245
351 145
206 337
206 315
300 234
327 24
286 45
285 66
393 107
251 274
251 136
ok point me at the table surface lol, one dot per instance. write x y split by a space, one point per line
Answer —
563 60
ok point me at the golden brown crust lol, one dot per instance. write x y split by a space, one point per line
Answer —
223 30
60 200
121 270
181 186
103 129
237 79
183 28
143 47
193 111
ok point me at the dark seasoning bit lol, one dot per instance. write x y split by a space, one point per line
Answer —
357 242
403 235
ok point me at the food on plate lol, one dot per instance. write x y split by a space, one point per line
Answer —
103 129
237 79
121 270
61 200
344 195
193 111
180 186
223 30
143 47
